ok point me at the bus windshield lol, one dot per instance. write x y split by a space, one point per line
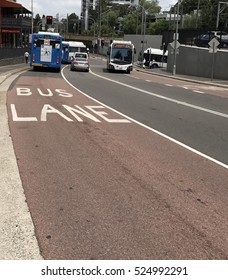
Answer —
122 55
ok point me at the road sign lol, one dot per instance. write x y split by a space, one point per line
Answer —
213 43
173 45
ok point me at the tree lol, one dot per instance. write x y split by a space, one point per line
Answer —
207 15
130 24
156 28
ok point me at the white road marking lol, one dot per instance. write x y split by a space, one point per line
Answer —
143 125
168 85
206 87
198 91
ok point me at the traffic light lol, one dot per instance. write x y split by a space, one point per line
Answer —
49 20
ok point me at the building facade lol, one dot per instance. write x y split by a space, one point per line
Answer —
15 24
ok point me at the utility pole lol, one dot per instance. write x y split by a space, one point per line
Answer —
175 40
219 11
32 16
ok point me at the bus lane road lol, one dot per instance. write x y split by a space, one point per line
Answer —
101 186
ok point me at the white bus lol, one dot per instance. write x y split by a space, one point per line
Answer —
75 47
120 56
155 58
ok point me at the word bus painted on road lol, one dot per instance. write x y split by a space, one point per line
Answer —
46 50
95 113
120 56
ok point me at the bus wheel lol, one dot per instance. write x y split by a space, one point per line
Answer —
154 66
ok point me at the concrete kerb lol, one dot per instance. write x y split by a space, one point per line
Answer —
17 233
6 75
137 68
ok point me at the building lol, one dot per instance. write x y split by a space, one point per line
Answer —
15 24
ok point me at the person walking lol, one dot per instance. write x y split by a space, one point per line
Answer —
26 57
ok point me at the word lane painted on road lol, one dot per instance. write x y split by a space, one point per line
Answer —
96 113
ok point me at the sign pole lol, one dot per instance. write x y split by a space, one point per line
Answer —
213 61
213 48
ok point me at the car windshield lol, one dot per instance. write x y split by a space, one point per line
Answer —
80 59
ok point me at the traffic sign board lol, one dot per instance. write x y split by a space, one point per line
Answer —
173 45
213 43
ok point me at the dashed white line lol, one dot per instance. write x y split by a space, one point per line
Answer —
198 91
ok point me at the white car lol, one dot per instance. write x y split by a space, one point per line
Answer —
80 62
219 34
222 37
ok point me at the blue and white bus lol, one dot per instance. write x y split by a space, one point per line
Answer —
46 50
65 52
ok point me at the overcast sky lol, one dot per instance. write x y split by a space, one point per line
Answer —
64 7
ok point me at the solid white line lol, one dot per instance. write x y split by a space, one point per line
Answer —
147 127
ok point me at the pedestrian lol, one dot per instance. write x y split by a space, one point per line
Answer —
26 57
144 63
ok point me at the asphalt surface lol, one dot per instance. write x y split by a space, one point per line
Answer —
203 80
196 197
6 71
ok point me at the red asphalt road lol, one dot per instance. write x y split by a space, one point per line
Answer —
101 190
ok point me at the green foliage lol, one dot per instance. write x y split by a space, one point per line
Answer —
207 13
129 24
156 28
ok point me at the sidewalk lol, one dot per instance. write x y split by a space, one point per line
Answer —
194 79
7 71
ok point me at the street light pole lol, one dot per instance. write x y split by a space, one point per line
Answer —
32 16
100 11
175 40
